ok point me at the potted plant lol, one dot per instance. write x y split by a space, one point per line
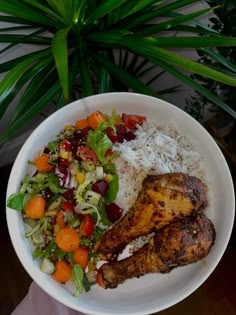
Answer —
85 45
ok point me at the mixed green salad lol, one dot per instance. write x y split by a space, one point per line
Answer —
69 202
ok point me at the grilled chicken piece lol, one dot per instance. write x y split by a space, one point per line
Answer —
162 199
182 242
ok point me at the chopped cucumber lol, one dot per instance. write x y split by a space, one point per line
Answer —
99 172
71 219
88 165
37 237
30 222
47 266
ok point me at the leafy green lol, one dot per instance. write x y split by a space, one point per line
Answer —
100 143
53 145
16 201
85 241
78 274
110 168
103 214
48 252
113 189
37 253
59 253
39 182
98 232
86 283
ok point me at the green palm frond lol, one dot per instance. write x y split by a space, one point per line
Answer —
91 46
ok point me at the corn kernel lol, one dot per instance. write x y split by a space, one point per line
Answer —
80 177
70 158
69 128
108 178
64 154
92 265
51 212
56 228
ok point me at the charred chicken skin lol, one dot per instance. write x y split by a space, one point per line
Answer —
182 242
162 199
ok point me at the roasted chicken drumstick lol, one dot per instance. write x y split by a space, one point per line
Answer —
162 199
182 242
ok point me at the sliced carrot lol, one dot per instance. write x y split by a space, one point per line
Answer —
81 256
63 271
82 123
95 119
60 219
42 164
67 239
35 208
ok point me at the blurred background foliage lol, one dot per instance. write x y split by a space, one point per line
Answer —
221 125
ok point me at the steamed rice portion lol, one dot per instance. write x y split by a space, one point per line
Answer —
155 150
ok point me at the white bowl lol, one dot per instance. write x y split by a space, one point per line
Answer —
150 293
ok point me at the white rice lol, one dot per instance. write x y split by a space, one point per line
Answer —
155 150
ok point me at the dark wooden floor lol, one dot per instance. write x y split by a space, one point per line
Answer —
217 296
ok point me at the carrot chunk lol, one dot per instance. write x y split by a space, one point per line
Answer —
35 208
82 123
42 164
63 271
67 239
95 119
60 219
81 256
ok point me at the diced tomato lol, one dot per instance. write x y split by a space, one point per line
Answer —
65 145
86 153
111 134
109 152
67 206
100 187
131 121
86 225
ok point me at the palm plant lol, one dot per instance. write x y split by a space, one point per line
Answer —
85 45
